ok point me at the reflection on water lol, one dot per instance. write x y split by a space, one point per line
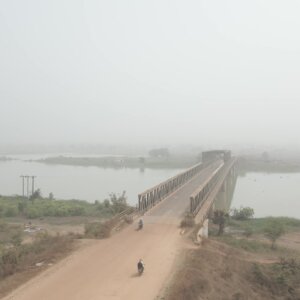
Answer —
77 182
269 194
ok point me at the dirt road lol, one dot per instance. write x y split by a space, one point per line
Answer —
107 268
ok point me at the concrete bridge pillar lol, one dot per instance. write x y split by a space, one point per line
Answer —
203 231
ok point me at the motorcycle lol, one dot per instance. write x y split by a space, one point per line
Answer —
141 225
140 268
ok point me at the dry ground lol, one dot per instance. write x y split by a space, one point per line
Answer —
216 271
107 269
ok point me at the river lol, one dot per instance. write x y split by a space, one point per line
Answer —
276 194
269 194
78 182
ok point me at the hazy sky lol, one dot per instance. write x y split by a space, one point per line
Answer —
120 71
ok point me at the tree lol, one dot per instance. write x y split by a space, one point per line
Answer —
36 194
220 218
244 213
273 231
118 202
51 196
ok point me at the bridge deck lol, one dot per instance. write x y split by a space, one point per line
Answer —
173 208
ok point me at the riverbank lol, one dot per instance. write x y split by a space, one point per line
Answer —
118 162
236 267
39 207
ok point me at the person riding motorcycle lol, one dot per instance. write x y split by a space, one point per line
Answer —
140 266
141 223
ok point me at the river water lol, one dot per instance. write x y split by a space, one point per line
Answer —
269 194
78 182
276 194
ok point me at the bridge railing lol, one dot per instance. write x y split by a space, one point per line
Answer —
150 197
201 194
198 198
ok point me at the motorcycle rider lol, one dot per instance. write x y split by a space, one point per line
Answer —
140 266
141 223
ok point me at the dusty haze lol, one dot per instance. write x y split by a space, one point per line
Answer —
222 72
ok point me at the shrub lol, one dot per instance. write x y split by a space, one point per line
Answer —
273 231
248 231
259 276
33 213
98 230
21 207
244 213
220 218
11 211
76 211
16 238
44 247
9 262
118 203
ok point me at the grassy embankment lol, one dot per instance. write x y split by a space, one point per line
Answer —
44 207
36 233
237 265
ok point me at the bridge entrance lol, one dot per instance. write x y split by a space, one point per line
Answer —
208 156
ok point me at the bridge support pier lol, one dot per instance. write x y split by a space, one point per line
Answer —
203 232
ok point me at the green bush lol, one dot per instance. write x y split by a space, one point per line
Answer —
9 261
76 211
98 230
243 213
248 231
33 213
11 211
43 207
273 231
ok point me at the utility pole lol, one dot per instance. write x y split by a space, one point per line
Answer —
22 176
32 177
27 185
27 177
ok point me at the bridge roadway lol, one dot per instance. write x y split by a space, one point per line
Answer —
173 208
106 269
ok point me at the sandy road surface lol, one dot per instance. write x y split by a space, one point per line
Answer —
107 268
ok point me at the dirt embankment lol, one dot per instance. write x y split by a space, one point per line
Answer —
218 271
